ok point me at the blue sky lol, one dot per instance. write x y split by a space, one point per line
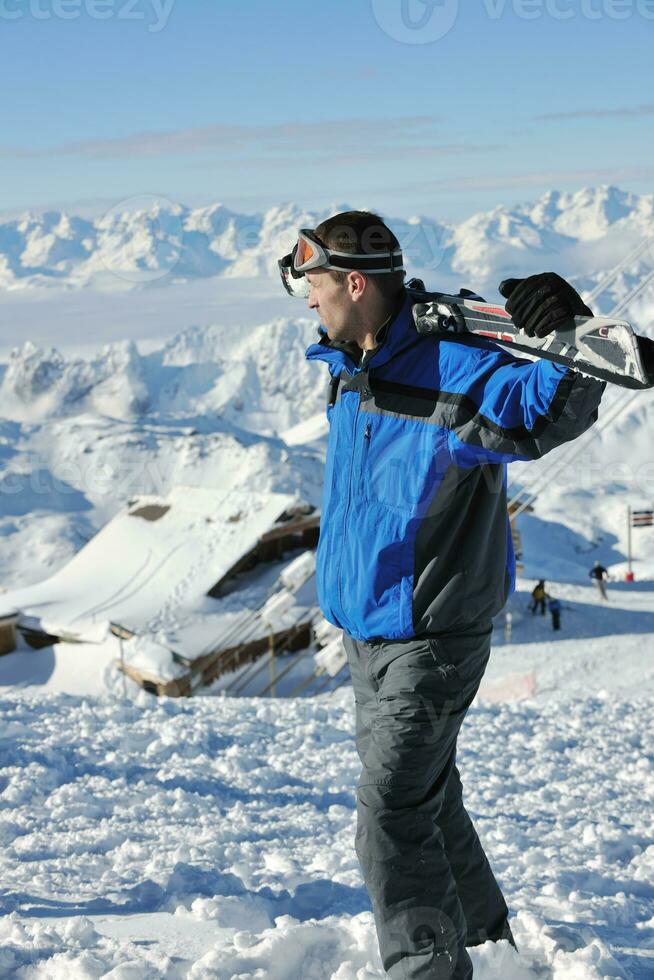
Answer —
360 101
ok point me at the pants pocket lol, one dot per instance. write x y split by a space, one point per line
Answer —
464 657
444 663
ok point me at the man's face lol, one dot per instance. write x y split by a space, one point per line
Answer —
332 302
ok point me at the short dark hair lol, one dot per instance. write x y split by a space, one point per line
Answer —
364 233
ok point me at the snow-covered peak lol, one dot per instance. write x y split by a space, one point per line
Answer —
590 213
40 383
578 231
256 378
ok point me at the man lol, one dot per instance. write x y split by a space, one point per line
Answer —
538 595
415 558
600 574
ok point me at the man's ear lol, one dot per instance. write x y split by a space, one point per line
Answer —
357 284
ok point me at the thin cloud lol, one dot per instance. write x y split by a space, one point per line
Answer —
646 109
337 155
548 178
413 152
81 207
6 152
287 137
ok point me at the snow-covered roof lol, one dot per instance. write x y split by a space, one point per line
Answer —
237 619
157 554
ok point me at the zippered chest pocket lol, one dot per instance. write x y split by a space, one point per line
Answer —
398 462
367 430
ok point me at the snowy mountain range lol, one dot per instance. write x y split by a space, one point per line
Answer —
583 233
225 406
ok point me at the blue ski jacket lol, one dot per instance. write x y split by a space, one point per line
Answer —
414 534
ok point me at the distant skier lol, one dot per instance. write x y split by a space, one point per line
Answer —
600 574
555 612
538 598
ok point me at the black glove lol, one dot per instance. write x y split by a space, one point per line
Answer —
543 303
646 347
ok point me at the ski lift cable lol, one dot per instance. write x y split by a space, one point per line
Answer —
610 278
251 621
593 434
296 660
304 684
224 638
571 451
330 678
266 660
259 664
243 679
526 495
634 294
622 402
235 651
254 669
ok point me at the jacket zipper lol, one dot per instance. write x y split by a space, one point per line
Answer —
349 498
364 454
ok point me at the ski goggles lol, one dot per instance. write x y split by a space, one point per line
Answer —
310 253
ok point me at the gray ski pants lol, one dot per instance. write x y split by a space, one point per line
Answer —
430 884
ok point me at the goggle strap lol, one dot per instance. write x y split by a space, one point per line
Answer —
366 255
372 264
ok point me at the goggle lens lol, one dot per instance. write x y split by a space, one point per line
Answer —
294 284
305 252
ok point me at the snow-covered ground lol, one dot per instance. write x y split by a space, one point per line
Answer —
213 838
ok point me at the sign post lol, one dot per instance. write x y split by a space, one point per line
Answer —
636 518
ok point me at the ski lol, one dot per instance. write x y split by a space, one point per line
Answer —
602 347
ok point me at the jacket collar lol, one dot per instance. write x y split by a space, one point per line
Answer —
394 335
